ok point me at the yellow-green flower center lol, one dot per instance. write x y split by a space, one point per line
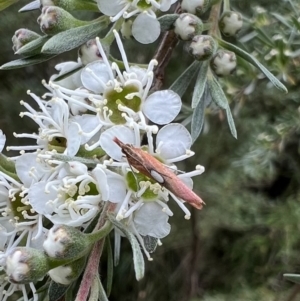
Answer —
120 97
19 209
134 181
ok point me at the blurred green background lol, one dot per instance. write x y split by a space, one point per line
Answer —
247 235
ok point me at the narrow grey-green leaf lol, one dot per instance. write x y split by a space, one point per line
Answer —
6 3
182 82
252 60
138 260
101 292
167 21
231 122
28 61
110 267
198 119
292 277
200 84
32 46
283 20
75 37
70 294
216 91
56 291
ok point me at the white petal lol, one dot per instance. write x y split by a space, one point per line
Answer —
145 29
151 220
31 6
186 180
93 74
70 82
175 139
73 142
111 8
38 198
162 107
165 5
117 189
101 179
26 165
123 133
87 123
2 140
77 168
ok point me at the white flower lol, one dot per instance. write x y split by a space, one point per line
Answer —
150 220
71 199
173 144
145 27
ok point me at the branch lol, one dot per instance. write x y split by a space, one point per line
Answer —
163 55
92 266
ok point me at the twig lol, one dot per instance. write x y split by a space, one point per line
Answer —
91 269
294 293
163 55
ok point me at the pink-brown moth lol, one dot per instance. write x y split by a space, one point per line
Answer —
154 169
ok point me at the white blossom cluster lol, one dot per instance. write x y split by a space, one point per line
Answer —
145 28
52 185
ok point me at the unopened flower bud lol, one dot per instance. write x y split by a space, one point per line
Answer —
197 6
89 52
187 26
22 37
202 47
65 242
25 265
223 63
231 23
70 5
65 274
55 19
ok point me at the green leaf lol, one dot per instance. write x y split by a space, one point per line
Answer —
231 122
282 19
292 277
75 37
252 60
32 46
56 291
200 84
182 82
138 260
28 61
216 91
219 97
6 3
101 292
110 267
167 21
198 119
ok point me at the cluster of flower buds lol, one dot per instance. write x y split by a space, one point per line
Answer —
188 27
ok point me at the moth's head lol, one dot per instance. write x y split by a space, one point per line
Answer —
121 144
